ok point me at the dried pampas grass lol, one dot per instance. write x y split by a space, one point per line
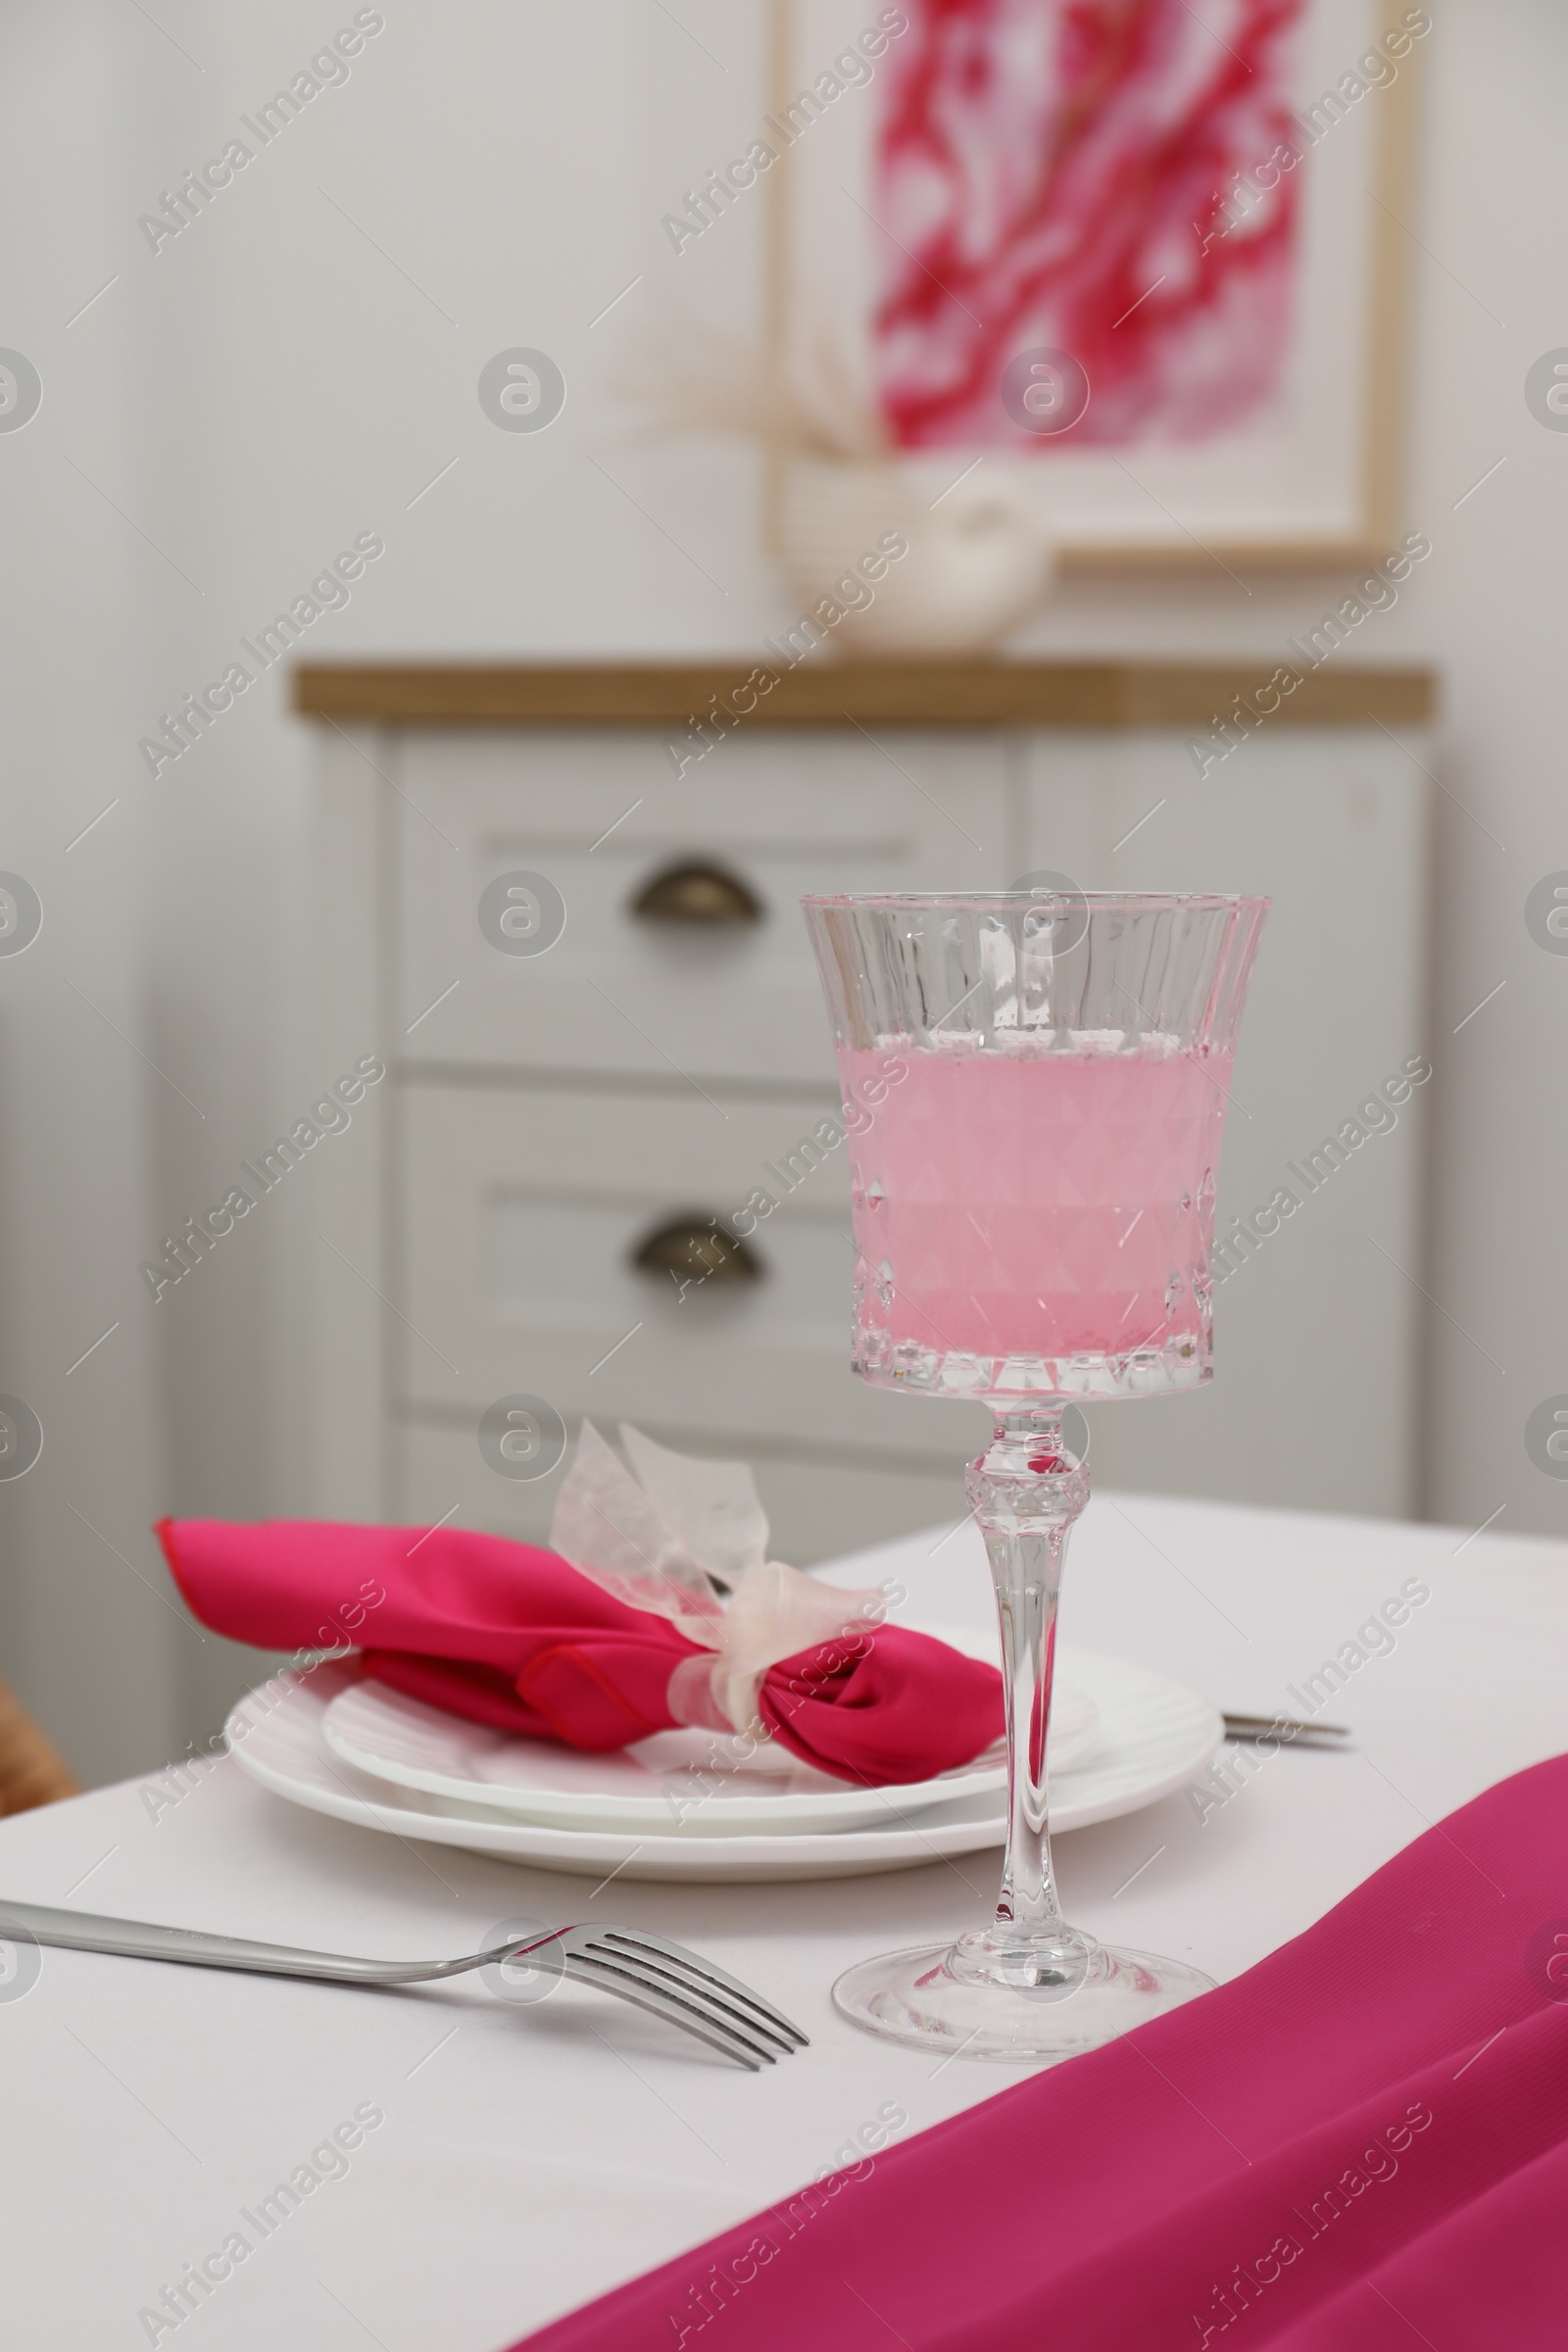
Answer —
690 377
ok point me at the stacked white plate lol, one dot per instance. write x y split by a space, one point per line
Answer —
695 1804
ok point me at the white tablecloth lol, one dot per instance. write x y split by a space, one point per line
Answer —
529 2158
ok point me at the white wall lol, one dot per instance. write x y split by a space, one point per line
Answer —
272 382
99 1652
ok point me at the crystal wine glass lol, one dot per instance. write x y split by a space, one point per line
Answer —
1034 1213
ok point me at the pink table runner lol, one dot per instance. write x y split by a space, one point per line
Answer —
1360 2143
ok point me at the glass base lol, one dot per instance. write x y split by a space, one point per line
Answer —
916 1997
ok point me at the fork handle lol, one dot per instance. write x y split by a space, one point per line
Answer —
136 1940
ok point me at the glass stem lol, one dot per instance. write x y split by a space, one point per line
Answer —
1027 1491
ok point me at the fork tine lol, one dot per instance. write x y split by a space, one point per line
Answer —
584 1968
685 1985
692 1998
698 1966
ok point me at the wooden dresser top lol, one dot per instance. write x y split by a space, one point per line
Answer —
833 694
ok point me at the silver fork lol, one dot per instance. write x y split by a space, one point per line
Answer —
652 1973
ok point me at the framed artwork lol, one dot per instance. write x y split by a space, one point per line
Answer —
1144 257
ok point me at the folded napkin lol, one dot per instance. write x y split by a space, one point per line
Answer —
620 1630
1360 2145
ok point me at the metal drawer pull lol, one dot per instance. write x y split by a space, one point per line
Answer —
696 892
691 1248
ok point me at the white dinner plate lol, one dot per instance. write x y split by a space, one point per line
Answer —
1152 1737
686 1783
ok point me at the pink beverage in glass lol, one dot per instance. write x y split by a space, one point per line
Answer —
1034 1221
1034 1211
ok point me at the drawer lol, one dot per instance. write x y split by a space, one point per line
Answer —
816 1510
601 818
522 1206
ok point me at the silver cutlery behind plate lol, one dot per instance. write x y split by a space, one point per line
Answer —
663 1978
1283 1729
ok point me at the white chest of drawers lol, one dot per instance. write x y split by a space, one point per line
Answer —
547 1116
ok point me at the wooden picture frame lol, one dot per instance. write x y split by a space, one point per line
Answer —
1311 476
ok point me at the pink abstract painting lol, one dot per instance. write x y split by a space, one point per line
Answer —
1092 176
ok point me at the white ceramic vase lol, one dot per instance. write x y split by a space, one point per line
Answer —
978 563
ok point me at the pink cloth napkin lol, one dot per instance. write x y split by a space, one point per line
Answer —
514 1636
1360 2145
